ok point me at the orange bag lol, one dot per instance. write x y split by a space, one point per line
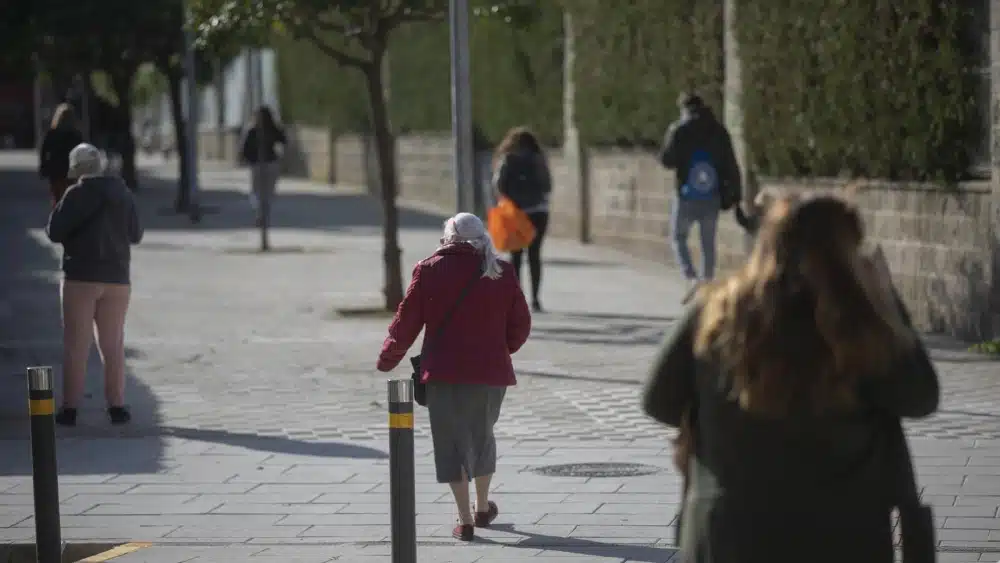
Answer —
510 228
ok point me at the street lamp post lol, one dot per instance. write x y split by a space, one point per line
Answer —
466 190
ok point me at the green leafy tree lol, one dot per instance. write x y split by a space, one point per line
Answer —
355 34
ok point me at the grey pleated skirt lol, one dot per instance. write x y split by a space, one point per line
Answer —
462 418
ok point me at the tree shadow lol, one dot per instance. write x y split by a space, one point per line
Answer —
653 319
275 444
615 334
574 263
569 377
584 547
31 334
229 209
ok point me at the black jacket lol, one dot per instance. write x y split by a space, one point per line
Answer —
767 490
53 159
251 150
96 222
524 178
700 130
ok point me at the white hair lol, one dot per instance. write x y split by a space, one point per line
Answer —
466 228
86 160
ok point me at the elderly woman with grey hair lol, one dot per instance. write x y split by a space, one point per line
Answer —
475 317
96 222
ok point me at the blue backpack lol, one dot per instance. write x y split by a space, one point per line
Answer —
702 181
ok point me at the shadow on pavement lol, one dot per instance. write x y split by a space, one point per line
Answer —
31 334
276 444
632 334
230 209
583 547
568 377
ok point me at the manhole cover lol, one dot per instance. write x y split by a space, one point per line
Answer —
597 470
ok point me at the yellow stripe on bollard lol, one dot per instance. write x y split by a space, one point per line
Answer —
41 407
401 420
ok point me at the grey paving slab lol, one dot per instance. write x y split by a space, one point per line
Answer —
260 421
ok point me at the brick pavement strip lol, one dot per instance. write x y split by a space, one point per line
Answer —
260 424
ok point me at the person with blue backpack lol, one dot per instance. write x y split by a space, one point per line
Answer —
700 150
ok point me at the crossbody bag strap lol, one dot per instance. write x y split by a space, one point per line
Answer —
451 312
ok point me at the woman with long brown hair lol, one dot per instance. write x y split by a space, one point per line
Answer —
522 175
792 375
53 160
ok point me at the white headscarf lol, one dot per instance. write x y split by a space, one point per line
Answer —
466 228
86 160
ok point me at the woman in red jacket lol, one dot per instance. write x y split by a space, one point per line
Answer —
466 360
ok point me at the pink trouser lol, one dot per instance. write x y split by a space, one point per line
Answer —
94 310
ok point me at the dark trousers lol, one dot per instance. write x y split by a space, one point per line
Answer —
540 220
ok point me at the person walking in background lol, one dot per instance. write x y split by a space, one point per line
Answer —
699 149
791 377
522 175
260 151
96 222
53 158
475 316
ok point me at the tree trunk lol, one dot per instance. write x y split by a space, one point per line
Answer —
183 201
123 127
386 155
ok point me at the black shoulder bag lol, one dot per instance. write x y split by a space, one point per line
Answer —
419 387
916 520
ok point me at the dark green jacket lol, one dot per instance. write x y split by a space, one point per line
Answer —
807 488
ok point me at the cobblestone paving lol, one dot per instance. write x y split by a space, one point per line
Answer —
260 419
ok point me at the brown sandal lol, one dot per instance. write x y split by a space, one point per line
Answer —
484 519
464 532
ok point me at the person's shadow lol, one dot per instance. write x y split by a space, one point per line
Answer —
585 547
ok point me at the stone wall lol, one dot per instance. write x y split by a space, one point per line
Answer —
940 243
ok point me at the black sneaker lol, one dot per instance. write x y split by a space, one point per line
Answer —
537 307
66 416
119 415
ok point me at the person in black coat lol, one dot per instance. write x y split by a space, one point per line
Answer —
522 175
53 159
791 377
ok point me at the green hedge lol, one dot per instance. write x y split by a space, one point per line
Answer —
314 90
881 88
634 58
516 79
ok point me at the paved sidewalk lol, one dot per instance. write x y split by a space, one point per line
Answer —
260 429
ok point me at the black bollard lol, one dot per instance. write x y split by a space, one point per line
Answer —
402 486
44 472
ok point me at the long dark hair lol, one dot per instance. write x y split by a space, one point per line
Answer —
264 120
806 317
518 139
63 118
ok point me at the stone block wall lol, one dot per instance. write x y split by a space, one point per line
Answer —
937 244
941 243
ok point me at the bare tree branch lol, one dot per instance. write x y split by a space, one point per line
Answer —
342 58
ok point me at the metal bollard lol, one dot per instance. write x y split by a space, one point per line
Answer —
402 486
44 472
